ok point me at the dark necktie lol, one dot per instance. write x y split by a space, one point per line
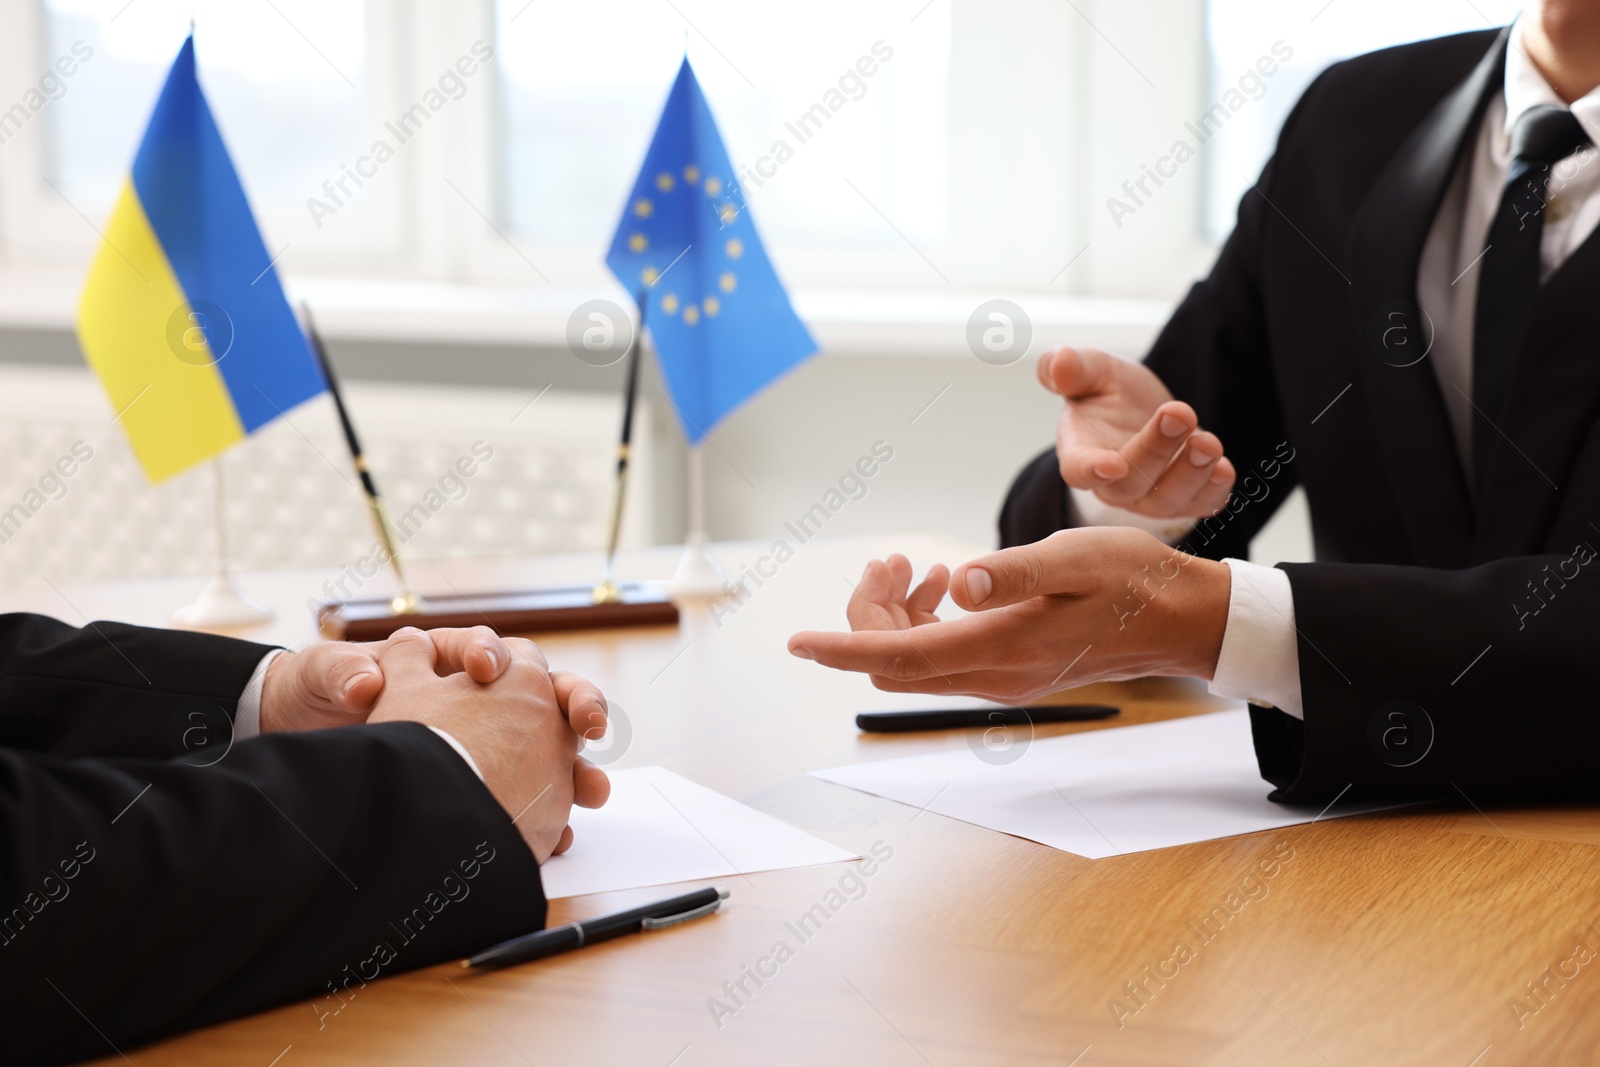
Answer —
1509 281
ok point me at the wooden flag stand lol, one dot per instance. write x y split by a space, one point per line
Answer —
536 611
221 604
607 604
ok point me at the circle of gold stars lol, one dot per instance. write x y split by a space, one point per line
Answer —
727 282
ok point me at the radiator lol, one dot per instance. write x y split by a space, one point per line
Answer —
464 471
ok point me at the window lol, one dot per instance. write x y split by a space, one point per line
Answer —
577 120
954 166
1240 32
285 89
298 88
989 151
943 168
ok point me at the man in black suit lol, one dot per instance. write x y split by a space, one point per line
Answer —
1403 322
164 868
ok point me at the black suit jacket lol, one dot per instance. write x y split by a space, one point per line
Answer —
155 877
1445 644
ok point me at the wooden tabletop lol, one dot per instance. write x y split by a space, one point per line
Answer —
1439 935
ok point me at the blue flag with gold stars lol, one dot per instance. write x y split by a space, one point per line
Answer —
687 250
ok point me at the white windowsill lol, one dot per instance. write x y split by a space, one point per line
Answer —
846 323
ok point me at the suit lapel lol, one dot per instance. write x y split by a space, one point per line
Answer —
1400 385
1548 414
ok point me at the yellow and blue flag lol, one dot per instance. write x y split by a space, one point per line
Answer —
182 316
687 249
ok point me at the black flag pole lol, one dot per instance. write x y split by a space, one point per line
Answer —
406 602
608 592
514 611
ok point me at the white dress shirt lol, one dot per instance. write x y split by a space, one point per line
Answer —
247 715
1259 661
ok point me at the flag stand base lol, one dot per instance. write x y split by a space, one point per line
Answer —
697 573
220 603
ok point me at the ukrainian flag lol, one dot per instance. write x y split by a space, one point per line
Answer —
182 316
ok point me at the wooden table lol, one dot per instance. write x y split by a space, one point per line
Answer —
1403 938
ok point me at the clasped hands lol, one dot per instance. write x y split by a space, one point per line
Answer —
1098 603
522 723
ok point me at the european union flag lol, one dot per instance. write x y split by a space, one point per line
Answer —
688 250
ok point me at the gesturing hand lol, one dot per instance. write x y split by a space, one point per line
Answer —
1122 436
883 600
516 729
1107 602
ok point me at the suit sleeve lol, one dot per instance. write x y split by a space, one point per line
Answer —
1496 703
110 689
147 896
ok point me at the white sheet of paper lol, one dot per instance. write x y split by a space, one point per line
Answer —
659 827
1102 793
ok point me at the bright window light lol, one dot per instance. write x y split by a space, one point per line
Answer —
583 84
284 80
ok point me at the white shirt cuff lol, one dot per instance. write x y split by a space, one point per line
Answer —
1092 511
460 749
1260 659
247 713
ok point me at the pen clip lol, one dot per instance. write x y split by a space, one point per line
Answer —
683 917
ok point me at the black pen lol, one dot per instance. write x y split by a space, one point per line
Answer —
558 939
894 722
